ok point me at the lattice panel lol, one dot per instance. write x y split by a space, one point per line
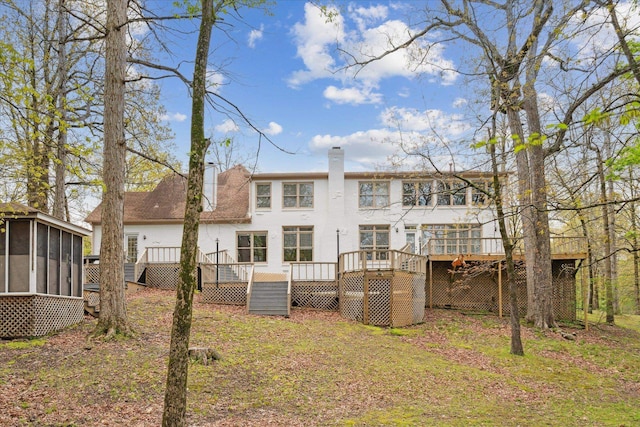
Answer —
564 289
92 273
351 296
17 318
478 290
163 276
38 315
92 299
402 299
521 281
419 299
52 314
379 307
439 294
225 293
322 295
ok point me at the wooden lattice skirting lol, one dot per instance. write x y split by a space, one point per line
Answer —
37 315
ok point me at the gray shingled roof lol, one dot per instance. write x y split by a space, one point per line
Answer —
166 203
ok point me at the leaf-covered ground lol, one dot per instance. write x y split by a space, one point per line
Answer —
318 369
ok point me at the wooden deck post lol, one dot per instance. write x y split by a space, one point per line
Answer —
499 288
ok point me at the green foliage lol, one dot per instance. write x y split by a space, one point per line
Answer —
596 117
23 344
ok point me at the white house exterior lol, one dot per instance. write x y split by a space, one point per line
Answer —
271 219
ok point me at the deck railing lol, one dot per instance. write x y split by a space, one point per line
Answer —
493 246
382 260
313 271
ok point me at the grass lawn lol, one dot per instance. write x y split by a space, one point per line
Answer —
318 369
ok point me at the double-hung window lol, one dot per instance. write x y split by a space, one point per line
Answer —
452 193
297 243
374 239
252 246
478 193
416 193
459 193
444 193
297 195
263 195
373 194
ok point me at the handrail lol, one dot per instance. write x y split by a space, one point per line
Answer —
249 285
289 292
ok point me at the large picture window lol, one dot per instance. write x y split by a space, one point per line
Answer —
453 239
297 243
297 195
375 240
252 246
263 196
374 194
416 193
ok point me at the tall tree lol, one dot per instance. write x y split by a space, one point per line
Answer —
113 310
507 243
175 398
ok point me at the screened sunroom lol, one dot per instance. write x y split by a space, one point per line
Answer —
40 272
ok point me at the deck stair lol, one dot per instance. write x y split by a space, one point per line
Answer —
269 296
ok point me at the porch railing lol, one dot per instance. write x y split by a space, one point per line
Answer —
493 246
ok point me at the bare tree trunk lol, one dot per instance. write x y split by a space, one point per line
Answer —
175 398
607 242
514 318
59 200
527 212
113 311
544 316
634 241
612 227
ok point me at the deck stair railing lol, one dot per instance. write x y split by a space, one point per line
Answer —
228 270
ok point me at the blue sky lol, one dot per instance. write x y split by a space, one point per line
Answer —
284 72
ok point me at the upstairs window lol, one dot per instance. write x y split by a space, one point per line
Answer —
452 193
416 193
297 195
444 193
478 193
263 196
459 193
373 194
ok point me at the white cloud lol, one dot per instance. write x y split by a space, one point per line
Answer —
596 35
352 96
445 126
318 37
365 147
227 126
364 16
215 80
273 129
314 38
459 103
255 35
173 117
